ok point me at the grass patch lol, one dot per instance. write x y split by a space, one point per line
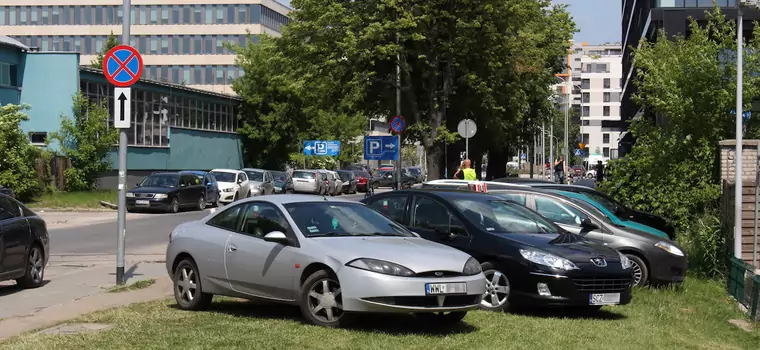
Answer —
73 200
692 317
141 284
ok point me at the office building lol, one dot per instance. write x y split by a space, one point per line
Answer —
643 20
183 42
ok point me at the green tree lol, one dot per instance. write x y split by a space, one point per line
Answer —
87 140
110 44
673 169
17 163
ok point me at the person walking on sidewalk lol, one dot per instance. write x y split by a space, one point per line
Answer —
467 171
560 169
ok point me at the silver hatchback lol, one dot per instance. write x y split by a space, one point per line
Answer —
332 257
309 181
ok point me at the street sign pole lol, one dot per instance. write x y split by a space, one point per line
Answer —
467 141
121 226
398 112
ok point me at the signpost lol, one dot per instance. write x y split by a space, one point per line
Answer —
467 129
398 125
321 148
122 67
381 148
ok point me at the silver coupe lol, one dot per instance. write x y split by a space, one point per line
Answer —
334 258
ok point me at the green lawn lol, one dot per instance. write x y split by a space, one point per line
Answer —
695 317
74 200
141 284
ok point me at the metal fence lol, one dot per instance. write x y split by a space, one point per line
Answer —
744 285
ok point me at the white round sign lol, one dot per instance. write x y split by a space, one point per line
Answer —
467 128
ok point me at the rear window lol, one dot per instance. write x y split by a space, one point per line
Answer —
344 176
361 173
223 176
303 175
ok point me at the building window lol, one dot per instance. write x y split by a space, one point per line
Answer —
606 97
585 84
586 111
606 111
586 123
8 74
38 138
606 152
605 138
586 97
606 83
585 140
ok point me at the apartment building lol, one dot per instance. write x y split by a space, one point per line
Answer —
591 85
182 41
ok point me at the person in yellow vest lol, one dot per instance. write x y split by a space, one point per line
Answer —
467 171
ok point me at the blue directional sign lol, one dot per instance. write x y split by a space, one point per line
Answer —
523 156
381 148
321 148
579 152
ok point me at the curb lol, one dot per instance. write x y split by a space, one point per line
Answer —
70 210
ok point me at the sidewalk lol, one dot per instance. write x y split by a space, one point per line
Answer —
58 219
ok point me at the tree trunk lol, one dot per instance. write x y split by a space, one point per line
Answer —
434 161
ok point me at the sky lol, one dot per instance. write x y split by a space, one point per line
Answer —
598 20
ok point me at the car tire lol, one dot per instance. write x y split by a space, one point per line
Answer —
442 319
498 289
640 271
188 291
216 202
235 197
174 206
375 185
201 203
35 268
130 210
314 287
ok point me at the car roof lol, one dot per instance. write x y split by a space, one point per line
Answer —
226 171
253 169
296 198
307 170
166 173
194 172
471 182
445 193
522 180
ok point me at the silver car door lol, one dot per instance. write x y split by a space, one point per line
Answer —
257 267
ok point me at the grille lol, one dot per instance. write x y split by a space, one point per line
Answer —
144 195
602 285
429 301
443 274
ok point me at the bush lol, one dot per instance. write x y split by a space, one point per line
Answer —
703 240
18 155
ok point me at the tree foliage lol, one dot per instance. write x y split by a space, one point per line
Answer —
110 44
335 67
689 83
86 139
19 157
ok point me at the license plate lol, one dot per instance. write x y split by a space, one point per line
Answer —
604 299
142 202
445 288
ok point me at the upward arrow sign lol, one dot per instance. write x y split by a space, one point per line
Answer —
122 99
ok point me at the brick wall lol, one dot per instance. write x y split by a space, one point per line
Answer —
728 160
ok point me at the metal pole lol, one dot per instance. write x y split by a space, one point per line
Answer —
757 189
739 151
566 145
398 112
551 150
121 225
543 152
533 157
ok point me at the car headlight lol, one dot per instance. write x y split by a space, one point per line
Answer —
627 263
160 196
669 248
130 194
547 259
380 266
471 267
228 190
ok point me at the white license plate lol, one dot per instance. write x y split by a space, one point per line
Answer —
142 202
604 299
445 288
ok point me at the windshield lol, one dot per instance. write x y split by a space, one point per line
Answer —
257 176
592 209
344 176
361 174
303 175
165 180
223 176
608 203
499 216
280 176
320 219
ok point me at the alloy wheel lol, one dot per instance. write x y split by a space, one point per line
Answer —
187 284
497 290
202 203
637 273
325 301
175 205
36 265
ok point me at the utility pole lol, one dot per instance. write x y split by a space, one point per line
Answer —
739 136
398 112
121 225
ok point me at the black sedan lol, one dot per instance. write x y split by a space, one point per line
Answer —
24 244
526 258
349 181
167 192
7 191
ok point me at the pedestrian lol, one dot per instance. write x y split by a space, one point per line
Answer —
560 169
467 171
599 171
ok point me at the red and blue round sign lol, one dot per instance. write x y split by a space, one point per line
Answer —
398 124
123 66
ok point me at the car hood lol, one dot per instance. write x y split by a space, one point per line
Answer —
151 189
255 183
641 227
566 245
225 185
417 254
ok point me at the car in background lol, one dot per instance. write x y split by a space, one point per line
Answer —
260 181
309 181
350 259
527 259
333 182
385 167
7 191
209 181
387 178
283 182
362 179
467 184
415 172
233 184
24 244
524 181
619 209
349 181
168 192
359 167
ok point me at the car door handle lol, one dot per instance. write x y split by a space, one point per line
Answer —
231 248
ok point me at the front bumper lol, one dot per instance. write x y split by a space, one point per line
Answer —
571 289
365 291
666 268
148 203
226 197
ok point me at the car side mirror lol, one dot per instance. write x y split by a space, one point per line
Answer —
445 235
276 237
239 181
619 210
182 185
588 224
416 234
137 184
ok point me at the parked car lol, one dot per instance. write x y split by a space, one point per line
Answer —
359 167
619 209
362 178
334 184
349 181
527 259
415 172
7 191
309 181
283 182
24 244
209 181
233 184
385 167
349 259
168 192
467 184
387 178
260 181
524 181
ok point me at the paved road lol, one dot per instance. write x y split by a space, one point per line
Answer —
147 235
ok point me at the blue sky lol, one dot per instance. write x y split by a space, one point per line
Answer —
598 20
